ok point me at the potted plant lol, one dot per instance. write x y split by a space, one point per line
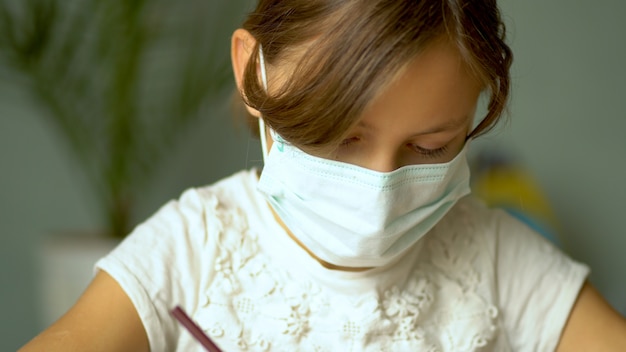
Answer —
120 81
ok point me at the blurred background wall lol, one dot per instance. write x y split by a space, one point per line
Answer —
567 125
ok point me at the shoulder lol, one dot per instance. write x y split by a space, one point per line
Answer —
189 227
533 283
198 210
463 245
502 263
496 229
233 187
469 225
231 191
471 216
168 258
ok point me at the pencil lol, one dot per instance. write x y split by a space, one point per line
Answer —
194 329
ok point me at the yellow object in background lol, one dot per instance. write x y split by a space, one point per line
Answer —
505 184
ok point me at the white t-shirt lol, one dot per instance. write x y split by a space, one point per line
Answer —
479 281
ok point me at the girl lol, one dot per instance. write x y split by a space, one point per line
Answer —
359 233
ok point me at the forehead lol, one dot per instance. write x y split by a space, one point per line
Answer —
435 89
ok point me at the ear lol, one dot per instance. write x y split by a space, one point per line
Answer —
242 44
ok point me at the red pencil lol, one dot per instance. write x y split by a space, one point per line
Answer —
194 329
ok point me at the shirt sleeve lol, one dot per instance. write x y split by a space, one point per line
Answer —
159 265
537 285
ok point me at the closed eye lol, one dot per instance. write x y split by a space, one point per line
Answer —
349 141
429 153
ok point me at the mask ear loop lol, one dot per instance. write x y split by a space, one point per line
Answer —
261 122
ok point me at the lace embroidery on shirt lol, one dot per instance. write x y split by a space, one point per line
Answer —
253 305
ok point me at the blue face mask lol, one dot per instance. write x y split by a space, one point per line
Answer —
352 216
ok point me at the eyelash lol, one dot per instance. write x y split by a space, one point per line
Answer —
348 141
429 153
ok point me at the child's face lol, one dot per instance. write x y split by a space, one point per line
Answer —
422 117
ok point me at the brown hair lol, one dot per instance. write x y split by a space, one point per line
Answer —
355 47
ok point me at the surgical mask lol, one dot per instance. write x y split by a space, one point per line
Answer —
351 216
